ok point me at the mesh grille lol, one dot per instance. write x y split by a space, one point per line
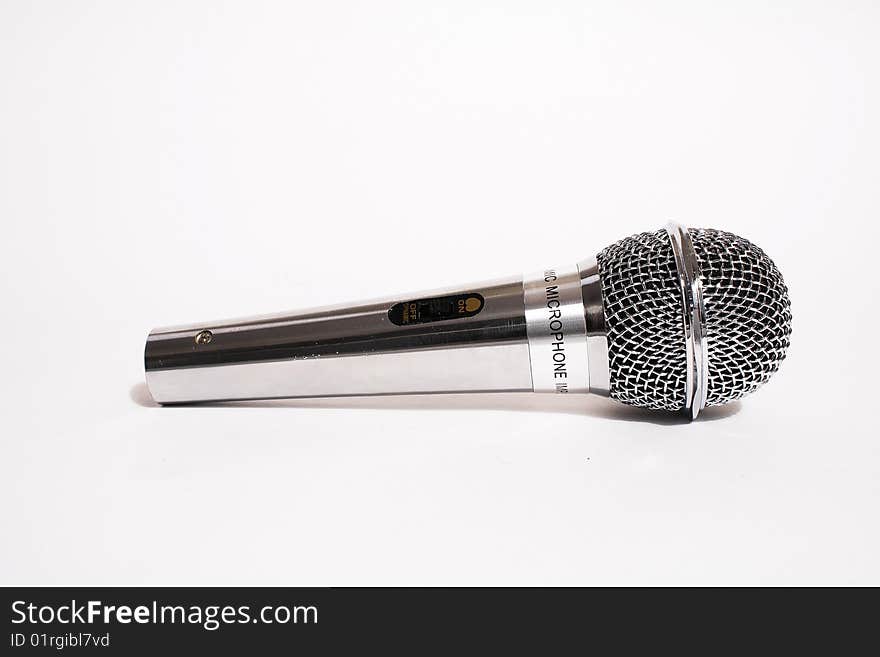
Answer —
748 318
646 348
748 313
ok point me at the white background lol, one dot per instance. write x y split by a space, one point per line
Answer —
167 162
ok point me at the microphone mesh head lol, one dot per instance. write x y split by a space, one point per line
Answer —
748 318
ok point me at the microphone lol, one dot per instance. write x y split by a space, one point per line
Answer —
676 319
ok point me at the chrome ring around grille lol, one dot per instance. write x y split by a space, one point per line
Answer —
693 314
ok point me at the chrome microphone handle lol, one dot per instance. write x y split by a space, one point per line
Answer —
542 333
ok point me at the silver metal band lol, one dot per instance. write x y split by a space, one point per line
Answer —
556 329
693 319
